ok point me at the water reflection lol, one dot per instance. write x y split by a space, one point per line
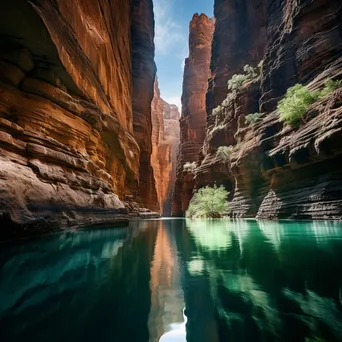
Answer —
167 297
82 286
176 280
267 280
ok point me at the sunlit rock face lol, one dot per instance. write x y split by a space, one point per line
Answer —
193 120
68 149
165 142
144 71
275 171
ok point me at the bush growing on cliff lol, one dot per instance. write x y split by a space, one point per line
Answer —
298 99
329 87
190 167
216 110
238 80
223 153
252 118
235 84
208 202
295 103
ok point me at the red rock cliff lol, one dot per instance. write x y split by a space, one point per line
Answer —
165 142
193 120
66 125
272 170
144 71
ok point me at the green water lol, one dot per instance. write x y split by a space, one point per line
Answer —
236 280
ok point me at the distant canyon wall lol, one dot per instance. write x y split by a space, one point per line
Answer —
165 142
193 119
76 85
273 170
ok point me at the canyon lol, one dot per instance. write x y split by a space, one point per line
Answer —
86 138
273 170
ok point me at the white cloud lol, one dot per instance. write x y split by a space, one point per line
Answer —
170 37
171 42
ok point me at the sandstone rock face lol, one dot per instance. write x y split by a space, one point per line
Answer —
144 71
172 138
272 170
193 120
165 142
68 152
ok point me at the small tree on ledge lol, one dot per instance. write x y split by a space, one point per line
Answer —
208 202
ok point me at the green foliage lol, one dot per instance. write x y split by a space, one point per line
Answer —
237 81
295 103
298 99
190 167
208 202
252 118
216 110
329 87
235 84
224 152
251 72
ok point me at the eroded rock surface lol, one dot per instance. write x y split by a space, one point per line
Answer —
68 149
193 119
144 71
165 142
272 170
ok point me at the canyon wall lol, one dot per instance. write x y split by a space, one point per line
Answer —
271 169
144 71
193 119
68 148
165 142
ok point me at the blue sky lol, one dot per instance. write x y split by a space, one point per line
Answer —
172 19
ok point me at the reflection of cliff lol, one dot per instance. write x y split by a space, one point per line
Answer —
167 298
91 283
264 279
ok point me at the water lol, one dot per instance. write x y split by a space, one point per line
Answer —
176 280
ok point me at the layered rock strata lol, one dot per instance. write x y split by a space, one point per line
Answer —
193 119
273 170
68 152
144 71
165 142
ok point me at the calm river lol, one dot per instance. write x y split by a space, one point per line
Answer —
176 280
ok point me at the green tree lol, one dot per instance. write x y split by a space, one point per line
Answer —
252 118
223 153
295 103
208 202
329 87
298 99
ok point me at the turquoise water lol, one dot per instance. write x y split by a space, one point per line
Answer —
176 280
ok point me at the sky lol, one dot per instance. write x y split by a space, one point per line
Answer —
172 18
